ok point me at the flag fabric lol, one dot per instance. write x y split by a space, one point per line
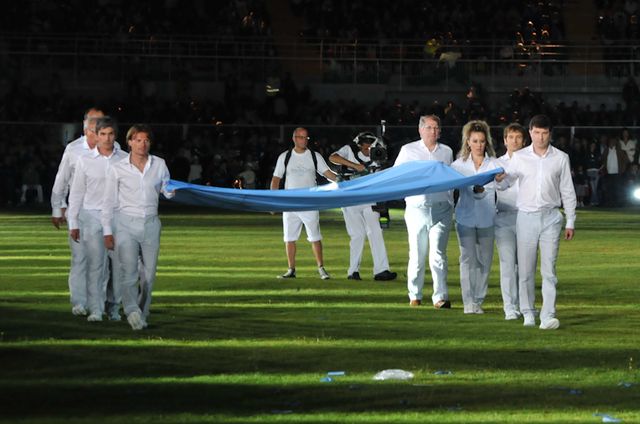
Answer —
408 179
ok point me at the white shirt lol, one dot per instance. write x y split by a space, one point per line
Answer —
64 177
507 198
476 210
630 148
301 172
66 169
88 185
545 181
347 152
612 161
132 192
418 151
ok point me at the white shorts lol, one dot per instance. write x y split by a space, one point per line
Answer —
292 223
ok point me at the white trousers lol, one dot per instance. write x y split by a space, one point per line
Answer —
476 255
101 280
505 233
428 230
133 237
362 221
538 230
78 274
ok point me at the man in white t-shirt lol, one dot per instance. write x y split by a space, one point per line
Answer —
362 221
298 167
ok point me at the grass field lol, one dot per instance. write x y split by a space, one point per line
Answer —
228 342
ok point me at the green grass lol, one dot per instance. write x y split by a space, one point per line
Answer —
228 342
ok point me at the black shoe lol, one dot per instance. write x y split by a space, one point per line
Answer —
354 276
385 275
291 273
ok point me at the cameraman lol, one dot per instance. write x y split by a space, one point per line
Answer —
361 220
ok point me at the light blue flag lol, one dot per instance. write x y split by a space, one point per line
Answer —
408 179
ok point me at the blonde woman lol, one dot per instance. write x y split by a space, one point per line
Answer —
474 215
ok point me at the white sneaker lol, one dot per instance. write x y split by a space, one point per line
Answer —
78 310
291 273
477 309
323 273
468 309
529 321
509 316
135 321
94 317
114 316
550 324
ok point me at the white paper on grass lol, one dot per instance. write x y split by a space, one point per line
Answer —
393 375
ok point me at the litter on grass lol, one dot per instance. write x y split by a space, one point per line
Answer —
606 418
393 375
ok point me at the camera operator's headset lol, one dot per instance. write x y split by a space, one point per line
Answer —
362 138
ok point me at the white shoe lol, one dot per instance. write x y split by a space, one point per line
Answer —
323 273
78 310
115 316
94 317
135 321
477 309
529 321
291 273
468 309
509 316
550 324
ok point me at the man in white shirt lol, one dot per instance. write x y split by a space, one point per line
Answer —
544 176
130 220
428 218
61 186
361 220
85 203
298 166
505 226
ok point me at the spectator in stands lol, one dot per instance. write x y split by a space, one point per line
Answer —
614 165
593 165
628 144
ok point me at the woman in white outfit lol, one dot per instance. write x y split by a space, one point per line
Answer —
474 213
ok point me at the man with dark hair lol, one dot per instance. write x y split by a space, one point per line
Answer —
545 184
514 136
85 205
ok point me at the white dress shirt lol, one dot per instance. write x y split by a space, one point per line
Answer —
132 192
507 198
418 151
301 172
476 210
545 181
64 177
88 186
